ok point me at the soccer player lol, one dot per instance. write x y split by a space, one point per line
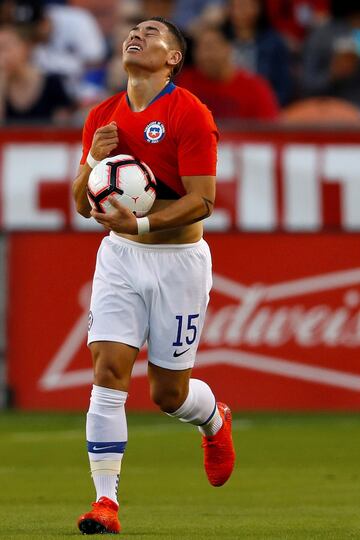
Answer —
153 274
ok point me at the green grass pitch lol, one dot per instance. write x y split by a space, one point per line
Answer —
297 477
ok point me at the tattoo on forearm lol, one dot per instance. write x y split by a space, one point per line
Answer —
208 203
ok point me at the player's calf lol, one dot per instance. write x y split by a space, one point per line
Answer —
214 423
168 400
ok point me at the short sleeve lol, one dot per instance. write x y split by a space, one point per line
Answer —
197 137
87 136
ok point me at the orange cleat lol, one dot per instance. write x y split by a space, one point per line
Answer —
219 453
102 519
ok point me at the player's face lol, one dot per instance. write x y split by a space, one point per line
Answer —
150 46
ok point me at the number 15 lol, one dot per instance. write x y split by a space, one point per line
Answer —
191 330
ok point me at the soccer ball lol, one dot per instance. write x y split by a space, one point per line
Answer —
127 179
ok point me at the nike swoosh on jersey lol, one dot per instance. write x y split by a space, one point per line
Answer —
176 354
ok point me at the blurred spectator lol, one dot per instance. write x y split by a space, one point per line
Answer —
116 77
331 55
25 13
321 111
26 94
294 19
257 46
105 13
160 8
187 13
68 39
226 90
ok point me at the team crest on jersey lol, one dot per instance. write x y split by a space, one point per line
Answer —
154 132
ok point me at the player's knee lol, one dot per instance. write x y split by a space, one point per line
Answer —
107 372
105 375
168 399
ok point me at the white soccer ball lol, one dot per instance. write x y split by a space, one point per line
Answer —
127 179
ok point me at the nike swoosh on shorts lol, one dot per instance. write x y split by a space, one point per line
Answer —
176 354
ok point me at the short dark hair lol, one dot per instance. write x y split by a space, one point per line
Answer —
179 37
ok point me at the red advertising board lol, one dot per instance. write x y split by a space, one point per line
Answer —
282 332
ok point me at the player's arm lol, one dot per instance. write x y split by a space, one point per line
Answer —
196 205
105 139
79 188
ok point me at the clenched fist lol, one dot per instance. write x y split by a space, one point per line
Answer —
105 141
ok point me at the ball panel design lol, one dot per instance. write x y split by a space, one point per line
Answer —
99 179
131 181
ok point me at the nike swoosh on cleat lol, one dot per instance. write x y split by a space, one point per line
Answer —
176 354
103 447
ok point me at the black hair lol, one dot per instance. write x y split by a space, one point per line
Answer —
180 40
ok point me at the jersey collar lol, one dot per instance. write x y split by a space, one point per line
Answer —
168 89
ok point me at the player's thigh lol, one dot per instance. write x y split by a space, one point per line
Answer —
178 310
113 363
117 311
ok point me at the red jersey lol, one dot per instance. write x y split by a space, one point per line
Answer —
175 135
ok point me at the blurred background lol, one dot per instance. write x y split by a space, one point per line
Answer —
282 79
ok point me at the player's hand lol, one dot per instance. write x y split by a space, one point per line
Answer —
121 220
105 140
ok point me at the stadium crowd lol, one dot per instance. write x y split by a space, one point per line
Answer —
264 60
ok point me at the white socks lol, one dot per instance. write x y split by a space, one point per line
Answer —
106 434
106 429
200 409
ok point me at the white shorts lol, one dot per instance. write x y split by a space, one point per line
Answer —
157 293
